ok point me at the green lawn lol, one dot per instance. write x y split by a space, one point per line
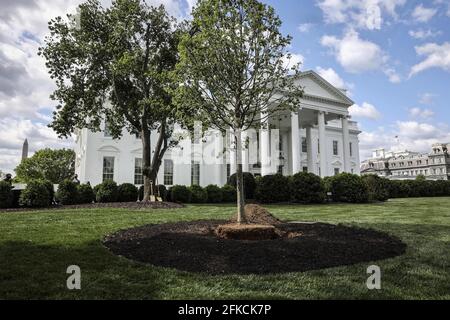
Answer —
37 247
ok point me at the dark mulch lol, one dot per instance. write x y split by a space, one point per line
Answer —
123 205
193 247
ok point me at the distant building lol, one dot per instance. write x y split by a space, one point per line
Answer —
25 150
406 165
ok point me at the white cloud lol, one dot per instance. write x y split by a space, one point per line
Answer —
364 14
412 135
424 34
332 77
437 56
421 113
427 98
393 76
423 14
355 54
305 27
293 60
366 110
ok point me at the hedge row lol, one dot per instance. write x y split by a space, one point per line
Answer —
197 194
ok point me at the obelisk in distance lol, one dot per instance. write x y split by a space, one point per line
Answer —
25 150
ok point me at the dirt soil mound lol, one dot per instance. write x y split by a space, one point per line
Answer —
251 232
194 247
255 214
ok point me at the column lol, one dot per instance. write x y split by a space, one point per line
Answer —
295 141
323 144
245 154
309 151
346 141
264 147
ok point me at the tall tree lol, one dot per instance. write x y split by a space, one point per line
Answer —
52 165
234 71
115 65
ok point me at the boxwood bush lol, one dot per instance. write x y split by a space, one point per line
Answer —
85 193
180 194
228 194
249 184
6 195
199 195
35 195
67 193
107 192
127 192
214 194
307 188
377 187
347 187
273 189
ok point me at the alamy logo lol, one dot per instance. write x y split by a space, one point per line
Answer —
374 281
74 280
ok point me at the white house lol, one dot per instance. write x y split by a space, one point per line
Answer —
292 144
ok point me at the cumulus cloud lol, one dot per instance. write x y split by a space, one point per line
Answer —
364 14
293 59
421 113
427 98
423 14
436 56
305 27
332 77
424 34
366 110
412 135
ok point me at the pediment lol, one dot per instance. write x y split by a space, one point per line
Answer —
317 87
108 149
336 163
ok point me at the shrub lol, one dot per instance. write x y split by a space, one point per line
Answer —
85 193
199 195
51 190
6 195
347 187
162 191
377 187
35 195
228 193
249 184
272 189
107 192
180 194
127 192
214 194
141 193
307 188
67 193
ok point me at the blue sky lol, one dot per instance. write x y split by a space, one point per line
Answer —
393 57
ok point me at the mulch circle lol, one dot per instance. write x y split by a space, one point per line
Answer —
193 247
121 205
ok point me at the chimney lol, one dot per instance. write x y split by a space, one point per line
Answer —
25 150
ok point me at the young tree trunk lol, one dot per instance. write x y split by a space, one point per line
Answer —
146 162
239 178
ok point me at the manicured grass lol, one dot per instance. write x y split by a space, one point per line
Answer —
37 247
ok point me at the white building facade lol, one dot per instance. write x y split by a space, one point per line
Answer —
289 143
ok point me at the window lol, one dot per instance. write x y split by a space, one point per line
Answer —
107 131
318 145
108 168
335 148
336 171
305 169
228 171
280 170
351 149
304 145
168 172
138 176
195 173
353 171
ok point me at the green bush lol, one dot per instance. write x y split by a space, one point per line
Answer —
107 192
6 195
347 187
273 189
85 193
199 195
214 194
180 194
35 195
249 184
51 190
162 191
377 187
307 188
228 194
127 192
67 193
